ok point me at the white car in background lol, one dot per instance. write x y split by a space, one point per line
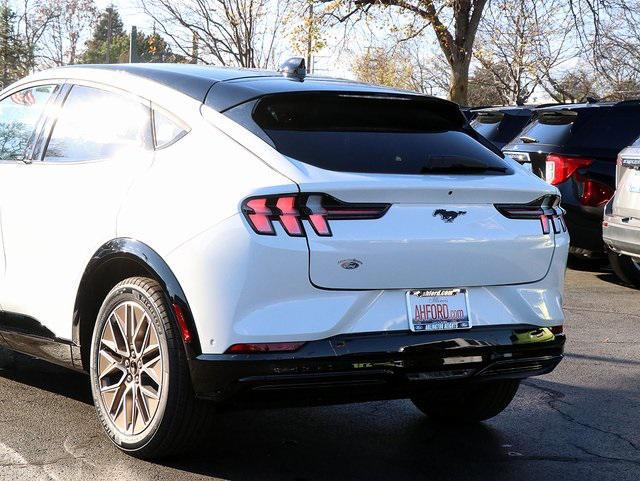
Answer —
621 225
194 236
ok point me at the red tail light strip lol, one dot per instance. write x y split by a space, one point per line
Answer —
291 209
547 209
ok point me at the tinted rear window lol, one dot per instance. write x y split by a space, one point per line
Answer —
499 128
355 133
595 129
551 128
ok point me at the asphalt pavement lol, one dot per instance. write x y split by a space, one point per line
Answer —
581 422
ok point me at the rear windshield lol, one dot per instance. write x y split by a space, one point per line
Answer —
499 128
595 129
373 134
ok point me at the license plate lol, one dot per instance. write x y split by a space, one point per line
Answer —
438 310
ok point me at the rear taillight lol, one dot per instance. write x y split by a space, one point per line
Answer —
290 210
593 193
547 209
560 167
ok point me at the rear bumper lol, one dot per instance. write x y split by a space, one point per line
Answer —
362 367
622 237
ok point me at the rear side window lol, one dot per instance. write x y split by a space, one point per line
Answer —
373 134
19 116
614 130
167 129
97 124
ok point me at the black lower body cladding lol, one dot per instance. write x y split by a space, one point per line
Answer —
352 368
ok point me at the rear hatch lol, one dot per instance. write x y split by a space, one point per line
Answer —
398 193
626 202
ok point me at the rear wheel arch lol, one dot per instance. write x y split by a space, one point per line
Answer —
113 262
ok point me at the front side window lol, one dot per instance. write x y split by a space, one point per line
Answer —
96 124
19 116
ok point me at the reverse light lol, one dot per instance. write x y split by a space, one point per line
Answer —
559 168
547 209
317 209
265 347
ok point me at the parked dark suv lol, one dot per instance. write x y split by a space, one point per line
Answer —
501 124
575 148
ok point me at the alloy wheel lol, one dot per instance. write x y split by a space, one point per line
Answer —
130 367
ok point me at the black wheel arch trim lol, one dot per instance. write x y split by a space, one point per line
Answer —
155 266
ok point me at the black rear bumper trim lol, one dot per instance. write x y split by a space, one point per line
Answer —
350 368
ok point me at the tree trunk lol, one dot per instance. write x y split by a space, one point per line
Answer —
459 84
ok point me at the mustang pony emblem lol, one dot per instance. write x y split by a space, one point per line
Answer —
448 215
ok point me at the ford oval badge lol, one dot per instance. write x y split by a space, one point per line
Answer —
350 263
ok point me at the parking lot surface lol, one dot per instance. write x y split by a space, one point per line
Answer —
582 422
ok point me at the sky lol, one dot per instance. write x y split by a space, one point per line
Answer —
130 11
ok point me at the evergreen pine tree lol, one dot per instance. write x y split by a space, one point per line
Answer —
13 51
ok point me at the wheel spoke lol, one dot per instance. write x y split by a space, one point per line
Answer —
142 334
121 329
143 407
148 394
153 369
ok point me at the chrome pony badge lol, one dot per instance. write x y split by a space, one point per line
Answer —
350 264
448 215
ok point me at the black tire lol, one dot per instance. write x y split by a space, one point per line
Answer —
7 359
625 268
179 418
467 404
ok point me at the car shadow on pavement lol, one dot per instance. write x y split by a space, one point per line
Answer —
364 441
44 375
611 278
587 265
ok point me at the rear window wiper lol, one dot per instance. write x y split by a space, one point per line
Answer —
528 140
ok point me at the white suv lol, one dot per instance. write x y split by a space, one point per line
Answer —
195 236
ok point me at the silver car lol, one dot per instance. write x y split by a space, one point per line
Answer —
621 225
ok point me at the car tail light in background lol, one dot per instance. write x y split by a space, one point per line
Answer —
560 167
291 209
547 209
591 193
